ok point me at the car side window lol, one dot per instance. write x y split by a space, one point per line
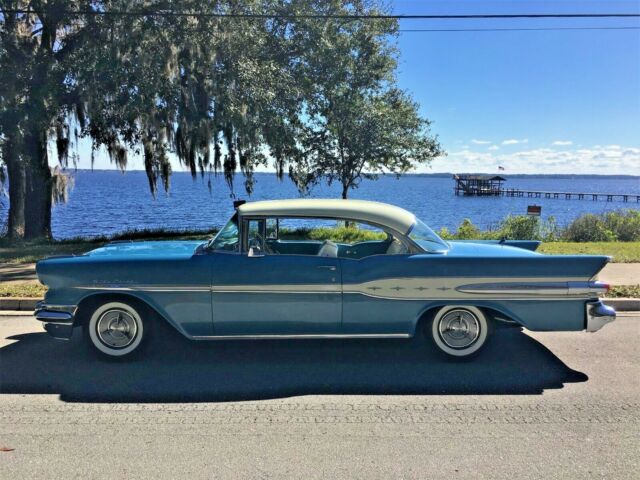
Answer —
256 235
227 239
329 238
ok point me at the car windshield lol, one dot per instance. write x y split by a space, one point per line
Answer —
227 238
426 238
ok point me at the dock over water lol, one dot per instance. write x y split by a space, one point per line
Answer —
492 185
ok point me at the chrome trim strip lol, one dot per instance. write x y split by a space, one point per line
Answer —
148 288
295 336
534 288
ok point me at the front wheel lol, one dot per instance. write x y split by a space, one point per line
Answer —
115 329
459 331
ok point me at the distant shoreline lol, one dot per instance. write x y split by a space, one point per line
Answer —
429 175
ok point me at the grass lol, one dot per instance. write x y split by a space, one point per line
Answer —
28 252
622 252
13 252
624 291
22 290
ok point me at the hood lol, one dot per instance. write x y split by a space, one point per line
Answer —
164 249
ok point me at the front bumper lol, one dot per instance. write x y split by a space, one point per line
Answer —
598 315
58 320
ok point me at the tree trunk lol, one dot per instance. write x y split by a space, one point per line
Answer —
38 182
16 175
345 191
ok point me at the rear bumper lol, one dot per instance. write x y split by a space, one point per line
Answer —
598 315
58 320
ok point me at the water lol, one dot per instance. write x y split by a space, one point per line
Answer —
109 202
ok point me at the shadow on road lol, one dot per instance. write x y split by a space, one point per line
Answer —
175 370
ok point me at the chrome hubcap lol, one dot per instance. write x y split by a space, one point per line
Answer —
459 328
116 328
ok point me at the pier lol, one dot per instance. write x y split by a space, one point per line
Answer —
491 185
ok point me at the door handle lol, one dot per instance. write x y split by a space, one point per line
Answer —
328 267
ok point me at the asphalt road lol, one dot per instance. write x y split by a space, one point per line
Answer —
552 405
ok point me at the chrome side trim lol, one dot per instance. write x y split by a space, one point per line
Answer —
598 315
148 288
535 288
302 336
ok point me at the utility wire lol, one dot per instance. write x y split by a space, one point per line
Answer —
426 30
174 13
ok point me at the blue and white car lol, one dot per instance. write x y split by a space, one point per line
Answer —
274 272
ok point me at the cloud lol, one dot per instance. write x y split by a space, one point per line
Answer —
562 143
481 142
494 147
609 159
514 141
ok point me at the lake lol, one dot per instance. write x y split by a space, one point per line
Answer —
108 202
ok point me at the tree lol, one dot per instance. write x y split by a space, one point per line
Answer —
150 84
358 124
220 94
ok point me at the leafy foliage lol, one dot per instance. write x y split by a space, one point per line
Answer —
622 225
313 95
346 234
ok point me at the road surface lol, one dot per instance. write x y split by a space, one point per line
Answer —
534 405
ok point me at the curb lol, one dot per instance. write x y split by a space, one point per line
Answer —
19 304
24 304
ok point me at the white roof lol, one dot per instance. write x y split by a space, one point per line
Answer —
382 214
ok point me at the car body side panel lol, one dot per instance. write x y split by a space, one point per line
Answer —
276 295
178 288
390 293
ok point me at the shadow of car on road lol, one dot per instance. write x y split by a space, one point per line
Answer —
175 370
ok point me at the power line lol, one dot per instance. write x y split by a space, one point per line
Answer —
420 30
174 13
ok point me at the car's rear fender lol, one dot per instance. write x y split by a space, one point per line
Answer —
534 314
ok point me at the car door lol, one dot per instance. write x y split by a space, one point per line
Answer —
255 292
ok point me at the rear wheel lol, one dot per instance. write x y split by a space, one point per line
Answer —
116 330
459 331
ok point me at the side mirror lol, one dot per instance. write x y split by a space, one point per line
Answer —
255 252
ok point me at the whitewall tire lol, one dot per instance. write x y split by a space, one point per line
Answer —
116 329
459 330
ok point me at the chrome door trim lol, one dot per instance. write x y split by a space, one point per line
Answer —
302 336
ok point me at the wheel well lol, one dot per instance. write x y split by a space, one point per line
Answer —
89 304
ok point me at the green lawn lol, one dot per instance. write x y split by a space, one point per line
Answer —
20 252
622 252
28 252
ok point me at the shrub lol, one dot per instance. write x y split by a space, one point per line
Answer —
589 228
625 224
468 231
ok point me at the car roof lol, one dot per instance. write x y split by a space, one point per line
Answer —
382 214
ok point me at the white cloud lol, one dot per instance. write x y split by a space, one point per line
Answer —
562 143
611 159
515 141
481 142
494 147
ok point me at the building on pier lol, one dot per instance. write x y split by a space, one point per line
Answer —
478 185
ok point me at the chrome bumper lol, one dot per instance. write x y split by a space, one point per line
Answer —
58 319
598 315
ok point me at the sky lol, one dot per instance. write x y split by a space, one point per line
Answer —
534 101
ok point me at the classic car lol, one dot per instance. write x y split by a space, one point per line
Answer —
277 271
